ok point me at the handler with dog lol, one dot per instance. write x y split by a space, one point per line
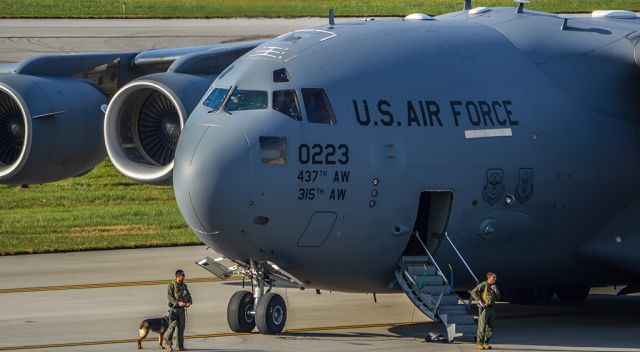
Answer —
179 300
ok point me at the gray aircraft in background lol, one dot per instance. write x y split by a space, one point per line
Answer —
408 155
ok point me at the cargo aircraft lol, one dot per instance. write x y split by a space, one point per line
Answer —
376 156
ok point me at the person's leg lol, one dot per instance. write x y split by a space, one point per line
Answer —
168 336
181 327
490 318
481 327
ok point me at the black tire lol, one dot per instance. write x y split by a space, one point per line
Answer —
238 312
271 315
572 294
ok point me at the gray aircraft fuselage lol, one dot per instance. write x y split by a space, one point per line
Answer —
532 129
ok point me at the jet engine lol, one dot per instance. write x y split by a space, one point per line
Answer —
144 121
50 128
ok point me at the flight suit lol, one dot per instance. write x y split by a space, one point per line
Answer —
487 315
177 292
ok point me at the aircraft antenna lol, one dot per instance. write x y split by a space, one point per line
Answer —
565 21
332 21
521 4
467 5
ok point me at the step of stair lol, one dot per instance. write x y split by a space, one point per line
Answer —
448 299
429 280
420 270
451 309
436 289
408 260
456 318
466 329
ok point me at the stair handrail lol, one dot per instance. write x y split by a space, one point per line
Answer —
433 261
446 235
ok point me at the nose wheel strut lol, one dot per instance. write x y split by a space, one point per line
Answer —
262 308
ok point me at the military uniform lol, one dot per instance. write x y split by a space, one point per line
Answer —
177 292
487 315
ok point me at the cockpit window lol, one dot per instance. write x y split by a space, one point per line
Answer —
317 106
273 150
286 102
216 98
242 99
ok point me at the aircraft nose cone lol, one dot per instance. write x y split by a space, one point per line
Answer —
211 178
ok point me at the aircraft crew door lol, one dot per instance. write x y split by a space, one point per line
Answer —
434 211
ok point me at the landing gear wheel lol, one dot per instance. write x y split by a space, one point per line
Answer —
271 314
572 294
239 312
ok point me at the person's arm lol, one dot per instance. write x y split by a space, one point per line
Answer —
498 294
189 298
476 293
171 295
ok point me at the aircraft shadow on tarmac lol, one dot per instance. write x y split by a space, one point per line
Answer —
216 350
602 321
405 331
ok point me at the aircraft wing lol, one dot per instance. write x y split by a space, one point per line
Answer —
52 126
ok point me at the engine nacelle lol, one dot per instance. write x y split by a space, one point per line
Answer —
50 128
144 121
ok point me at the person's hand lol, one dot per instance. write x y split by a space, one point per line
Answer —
181 304
494 288
482 304
188 305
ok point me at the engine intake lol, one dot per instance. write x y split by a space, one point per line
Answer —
144 121
13 125
50 128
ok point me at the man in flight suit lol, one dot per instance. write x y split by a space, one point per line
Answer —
179 300
486 293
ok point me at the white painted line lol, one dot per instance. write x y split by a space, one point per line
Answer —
496 132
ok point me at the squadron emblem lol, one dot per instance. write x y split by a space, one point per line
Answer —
524 189
493 190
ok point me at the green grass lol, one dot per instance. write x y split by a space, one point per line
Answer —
274 8
101 210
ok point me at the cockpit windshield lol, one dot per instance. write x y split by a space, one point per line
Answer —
242 99
216 98
318 106
286 102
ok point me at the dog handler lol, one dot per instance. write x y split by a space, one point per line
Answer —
179 300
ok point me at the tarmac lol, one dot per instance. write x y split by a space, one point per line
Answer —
20 38
94 301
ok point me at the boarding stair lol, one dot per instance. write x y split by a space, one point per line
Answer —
430 291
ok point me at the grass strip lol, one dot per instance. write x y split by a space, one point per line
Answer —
101 210
272 8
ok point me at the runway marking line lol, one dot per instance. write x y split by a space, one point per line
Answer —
112 284
206 336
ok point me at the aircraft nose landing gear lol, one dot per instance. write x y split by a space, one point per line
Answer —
266 310
240 312
271 314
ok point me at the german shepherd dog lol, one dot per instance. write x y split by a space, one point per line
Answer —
157 325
